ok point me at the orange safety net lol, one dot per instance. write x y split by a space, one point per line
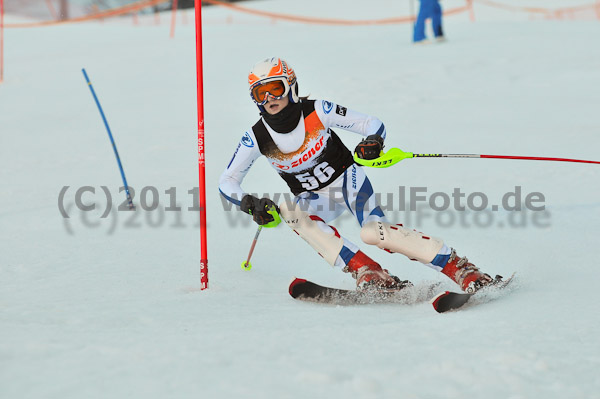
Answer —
547 12
328 21
97 15
139 5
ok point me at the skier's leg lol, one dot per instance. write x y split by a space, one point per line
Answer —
428 250
335 249
436 20
359 197
307 219
411 243
419 28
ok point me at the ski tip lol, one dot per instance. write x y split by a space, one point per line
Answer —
437 298
294 284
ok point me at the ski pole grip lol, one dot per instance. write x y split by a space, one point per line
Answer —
391 157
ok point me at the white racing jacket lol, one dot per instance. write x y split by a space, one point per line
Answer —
308 158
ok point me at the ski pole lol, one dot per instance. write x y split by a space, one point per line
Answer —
395 155
246 265
111 139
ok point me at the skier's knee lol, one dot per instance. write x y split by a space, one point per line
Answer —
291 214
396 238
323 238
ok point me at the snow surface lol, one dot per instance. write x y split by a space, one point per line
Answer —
111 308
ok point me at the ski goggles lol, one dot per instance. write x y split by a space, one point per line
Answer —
274 88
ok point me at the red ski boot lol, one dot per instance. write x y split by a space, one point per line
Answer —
466 274
369 275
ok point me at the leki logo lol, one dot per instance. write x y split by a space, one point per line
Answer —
381 163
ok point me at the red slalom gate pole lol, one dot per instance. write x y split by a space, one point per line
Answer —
1 41
201 158
52 10
173 18
471 12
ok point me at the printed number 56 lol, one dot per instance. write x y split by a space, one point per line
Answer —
321 173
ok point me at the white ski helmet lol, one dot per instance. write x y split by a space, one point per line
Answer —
272 70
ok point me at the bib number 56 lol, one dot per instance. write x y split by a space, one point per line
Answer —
321 173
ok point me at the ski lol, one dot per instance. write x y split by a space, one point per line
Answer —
305 290
449 300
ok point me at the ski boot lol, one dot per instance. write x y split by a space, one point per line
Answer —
370 276
467 275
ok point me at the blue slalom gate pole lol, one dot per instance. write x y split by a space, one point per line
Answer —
111 139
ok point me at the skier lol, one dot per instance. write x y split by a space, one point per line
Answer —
428 9
295 135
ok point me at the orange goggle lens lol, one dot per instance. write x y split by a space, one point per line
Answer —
275 88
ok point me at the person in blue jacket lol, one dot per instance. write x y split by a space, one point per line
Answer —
428 9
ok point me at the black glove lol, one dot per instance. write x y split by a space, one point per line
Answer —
370 148
258 208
